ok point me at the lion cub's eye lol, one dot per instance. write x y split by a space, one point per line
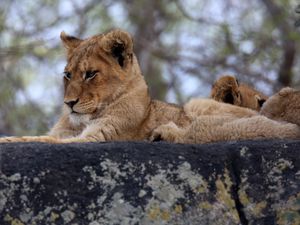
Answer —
90 74
67 75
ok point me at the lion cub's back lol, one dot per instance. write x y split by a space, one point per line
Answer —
166 112
200 106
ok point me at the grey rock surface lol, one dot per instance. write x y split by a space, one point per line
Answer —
248 182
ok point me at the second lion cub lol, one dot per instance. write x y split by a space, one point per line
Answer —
227 89
214 121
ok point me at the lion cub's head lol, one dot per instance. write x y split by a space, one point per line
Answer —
98 71
283 106
227 89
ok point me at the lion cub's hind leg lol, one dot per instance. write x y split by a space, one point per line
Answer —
206 129
214 129
260 127
257 127
201 130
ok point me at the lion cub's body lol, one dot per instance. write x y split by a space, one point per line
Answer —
283 106
215 121
105 95
203 107
227 89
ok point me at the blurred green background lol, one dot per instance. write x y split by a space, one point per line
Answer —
182 47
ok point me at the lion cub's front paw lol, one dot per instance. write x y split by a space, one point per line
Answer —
7 139
167 132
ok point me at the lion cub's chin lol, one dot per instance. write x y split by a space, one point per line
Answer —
79 119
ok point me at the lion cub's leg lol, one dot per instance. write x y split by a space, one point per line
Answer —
204 129
101 130
257 127
202 126
46 139
212 128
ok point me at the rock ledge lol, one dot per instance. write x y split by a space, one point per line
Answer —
248 182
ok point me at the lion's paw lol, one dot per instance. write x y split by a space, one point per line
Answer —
167 132
8 139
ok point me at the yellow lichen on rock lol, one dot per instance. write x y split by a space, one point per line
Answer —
16 222
284 164
12 220
178 209
223 195
258 208
251 208
54 216
154 213
288 213
203 188
7 218
244 199
165 215
205 205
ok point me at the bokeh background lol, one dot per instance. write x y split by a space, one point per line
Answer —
182 47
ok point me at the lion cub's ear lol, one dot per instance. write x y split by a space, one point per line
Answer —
119 43
69 42
260 100
285 91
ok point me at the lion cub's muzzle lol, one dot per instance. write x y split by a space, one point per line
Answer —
81 107
71 103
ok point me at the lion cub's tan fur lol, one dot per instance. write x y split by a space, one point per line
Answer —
105 95
106 99
214 121
283 106
227 89
203 107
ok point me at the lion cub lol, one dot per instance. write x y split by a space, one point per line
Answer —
227 89
283 106
214 121
105 95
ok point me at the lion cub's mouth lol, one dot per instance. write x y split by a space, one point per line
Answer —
74 112
78 112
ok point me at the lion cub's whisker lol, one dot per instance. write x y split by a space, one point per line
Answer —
87 103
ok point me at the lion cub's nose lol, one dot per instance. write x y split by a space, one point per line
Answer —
72 103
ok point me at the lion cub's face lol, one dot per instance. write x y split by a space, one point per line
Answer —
97 71
226 89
